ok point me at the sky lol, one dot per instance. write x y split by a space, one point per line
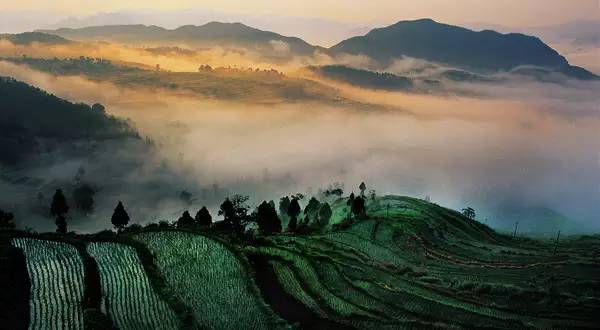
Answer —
520 13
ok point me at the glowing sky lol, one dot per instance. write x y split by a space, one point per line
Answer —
504 12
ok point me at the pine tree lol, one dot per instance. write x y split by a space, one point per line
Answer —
324 215
293 212
59 204
362 188
61 225
59 208
120 218
358 207
203 217
267 219
185 220
350 199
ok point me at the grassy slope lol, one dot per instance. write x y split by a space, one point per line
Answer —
415 265
419 264
224 84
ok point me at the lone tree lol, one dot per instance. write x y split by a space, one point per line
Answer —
59 208
267 219
358 207
293 212
61 225
311 210
120 218
185 220
284 204
203 217
84 198
362 188
324 215
98 107
350 199
469 212
235 213
6 220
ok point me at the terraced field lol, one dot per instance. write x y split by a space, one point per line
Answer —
127 296
57 287
211 279
411 264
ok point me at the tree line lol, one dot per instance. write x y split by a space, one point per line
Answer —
238 219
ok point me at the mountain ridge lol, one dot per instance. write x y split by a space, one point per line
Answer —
485 51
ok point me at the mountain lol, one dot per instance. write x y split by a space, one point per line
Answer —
363 78
27 38
210 34
30 118
483 52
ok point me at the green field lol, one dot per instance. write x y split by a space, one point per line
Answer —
128 297
409 264
56 273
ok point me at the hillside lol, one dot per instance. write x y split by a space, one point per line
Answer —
410 264
27 38
485 51
210 34
30 117
363 78
249 85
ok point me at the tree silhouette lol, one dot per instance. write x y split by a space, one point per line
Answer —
6 220
203 217
358 207
235 213
267 219
59 204
362 188
185 220
98 108
61 225
324 215
120 218
350 199
84 198
293 212
284 204
311 210
59 208
469 212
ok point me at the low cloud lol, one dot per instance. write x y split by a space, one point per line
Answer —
525 141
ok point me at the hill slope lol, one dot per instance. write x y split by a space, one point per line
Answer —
29 115
411 264
484 51
210 34
28 38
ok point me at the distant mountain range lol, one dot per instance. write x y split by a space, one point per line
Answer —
485 52
210 34
479 52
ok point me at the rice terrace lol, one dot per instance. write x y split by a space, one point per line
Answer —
258 165
406 264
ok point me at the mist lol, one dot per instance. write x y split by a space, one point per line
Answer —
522 143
